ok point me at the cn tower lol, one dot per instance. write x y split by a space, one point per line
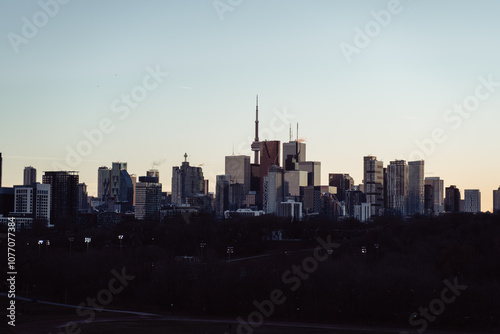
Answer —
256 144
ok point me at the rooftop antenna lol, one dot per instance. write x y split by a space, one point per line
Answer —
290 132
233 147
297 131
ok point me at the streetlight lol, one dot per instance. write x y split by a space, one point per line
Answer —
87 241
120 237
230 250
40 243
70 242
363 250
203 244
376 247
330 252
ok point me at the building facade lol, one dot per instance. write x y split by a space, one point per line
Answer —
373 182
293 153
397 187
343 182
438 193
452 199
416 184
472 200
496 200
29 176
63 195
187 181
148 198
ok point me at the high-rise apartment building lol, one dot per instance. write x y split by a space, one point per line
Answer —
273 190
103 183
496 200
82 198
472 200
63 195
416 194
222 184
397 187
438 193
429 200
32 201
186 181
147 198
452 199
373 181
29 176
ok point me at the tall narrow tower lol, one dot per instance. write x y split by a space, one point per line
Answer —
256 144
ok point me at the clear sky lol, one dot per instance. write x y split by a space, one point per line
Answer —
378 91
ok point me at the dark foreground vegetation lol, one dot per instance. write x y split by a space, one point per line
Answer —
383 285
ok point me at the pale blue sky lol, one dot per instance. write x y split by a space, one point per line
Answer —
394 92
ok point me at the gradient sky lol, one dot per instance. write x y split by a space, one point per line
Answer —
395 92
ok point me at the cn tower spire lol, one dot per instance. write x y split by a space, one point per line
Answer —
257 119
256 144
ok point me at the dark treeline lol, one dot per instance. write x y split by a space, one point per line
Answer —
385 284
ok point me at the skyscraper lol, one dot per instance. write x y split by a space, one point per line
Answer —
496 200
103 183
29 176
293 153
397 187
186 181
33 201
238 167
452 199
373 181
82 197
147 198
472 199
294 183
416 194
313 168
343 182
63 195
269 156
116 169
438 193
273 190
222 183
429 200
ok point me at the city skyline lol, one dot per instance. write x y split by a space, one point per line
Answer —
396 91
